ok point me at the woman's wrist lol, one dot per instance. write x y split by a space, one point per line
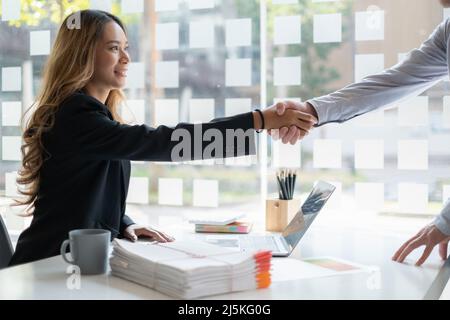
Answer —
257 122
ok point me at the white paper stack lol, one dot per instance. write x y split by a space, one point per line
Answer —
190 269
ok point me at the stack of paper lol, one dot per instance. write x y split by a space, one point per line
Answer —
216 219
190 269
234 227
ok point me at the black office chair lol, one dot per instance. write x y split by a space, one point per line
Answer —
6 248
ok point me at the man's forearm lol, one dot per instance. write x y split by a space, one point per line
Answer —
423 68
442 221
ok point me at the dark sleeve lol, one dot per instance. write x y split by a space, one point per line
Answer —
126 221
89 128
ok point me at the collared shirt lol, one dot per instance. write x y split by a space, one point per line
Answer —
422 68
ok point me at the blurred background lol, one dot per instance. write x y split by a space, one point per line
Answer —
195 60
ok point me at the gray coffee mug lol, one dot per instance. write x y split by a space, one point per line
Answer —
89 249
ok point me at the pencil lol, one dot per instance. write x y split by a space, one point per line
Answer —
280 191
295 177
283 186
288 184
292 184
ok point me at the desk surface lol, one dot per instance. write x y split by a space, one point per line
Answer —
47 279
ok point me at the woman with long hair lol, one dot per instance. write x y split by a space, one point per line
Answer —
76 149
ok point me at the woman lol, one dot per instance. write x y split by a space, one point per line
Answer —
77 150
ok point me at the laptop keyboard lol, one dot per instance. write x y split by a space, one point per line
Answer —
263 242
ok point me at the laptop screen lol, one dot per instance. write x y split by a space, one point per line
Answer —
295 230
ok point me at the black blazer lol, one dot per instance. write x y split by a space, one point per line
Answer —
84 183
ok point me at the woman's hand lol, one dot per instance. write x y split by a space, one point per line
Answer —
292 134
430 236
134 231
289 118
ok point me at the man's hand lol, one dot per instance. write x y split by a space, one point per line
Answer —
292 134
430 236
134 231
290 117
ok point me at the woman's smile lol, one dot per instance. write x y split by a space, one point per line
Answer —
121 73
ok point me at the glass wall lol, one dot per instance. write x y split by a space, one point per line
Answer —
195 60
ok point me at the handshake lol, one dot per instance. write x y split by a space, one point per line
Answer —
287 120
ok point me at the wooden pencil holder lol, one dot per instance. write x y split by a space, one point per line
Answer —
280 212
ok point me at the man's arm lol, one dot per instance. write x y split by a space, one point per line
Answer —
442 221
422 68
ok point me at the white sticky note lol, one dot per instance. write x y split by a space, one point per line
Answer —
369 196
446 13
238 32
166 112
200 4
11 186
166 5
12 79
104 5
327 28
369 25
413 197
370 119
413 112
134 112
238 72
167 74
327 153
201 110
205 193
413 154
286 155
237 106
11 148
170 191
201 34
287 30
138 190
445 193
167 36
368 64
39 42
11 113
287 71
135 76
369 154
132 6
10 10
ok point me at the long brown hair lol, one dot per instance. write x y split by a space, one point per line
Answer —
68 69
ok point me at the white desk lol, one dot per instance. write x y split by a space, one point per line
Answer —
46 279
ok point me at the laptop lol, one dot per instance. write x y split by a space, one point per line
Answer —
283 244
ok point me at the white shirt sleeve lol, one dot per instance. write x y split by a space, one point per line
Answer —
422 69
442 221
